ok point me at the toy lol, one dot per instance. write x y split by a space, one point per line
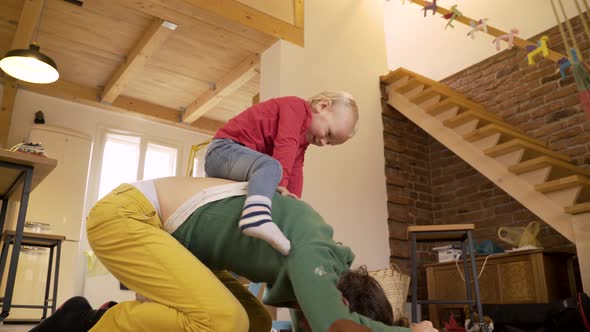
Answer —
541 48
481 25
508 37
452 16
431 6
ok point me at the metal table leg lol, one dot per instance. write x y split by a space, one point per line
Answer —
475 280
467 278
414 280
56 278
3 215
4 255
20 225
47 283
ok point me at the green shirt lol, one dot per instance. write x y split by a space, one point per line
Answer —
307 276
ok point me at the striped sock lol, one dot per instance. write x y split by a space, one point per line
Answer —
256 221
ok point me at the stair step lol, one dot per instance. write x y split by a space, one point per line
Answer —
448 102
443 89
399 82
443 106
493 128
483 117
425 95
560 168
563 183
395 75
578 208
410 85
568 190
531 150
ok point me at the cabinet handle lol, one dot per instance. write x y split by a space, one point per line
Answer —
34 224
32 249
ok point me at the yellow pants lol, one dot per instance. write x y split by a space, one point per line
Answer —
126 234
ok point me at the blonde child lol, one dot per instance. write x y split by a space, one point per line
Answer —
265 145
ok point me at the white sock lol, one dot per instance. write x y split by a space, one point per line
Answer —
256 221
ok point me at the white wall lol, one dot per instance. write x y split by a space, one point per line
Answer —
344 50
424 46
90 120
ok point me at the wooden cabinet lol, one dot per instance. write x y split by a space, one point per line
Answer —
522 277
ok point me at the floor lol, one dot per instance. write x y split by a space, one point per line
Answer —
15 328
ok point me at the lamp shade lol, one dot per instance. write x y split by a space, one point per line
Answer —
30 65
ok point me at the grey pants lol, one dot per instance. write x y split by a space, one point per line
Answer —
228 159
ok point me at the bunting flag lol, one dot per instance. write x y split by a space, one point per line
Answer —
452 16
430 6
480 25
507 37
541 48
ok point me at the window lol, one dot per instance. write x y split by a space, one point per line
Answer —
160 161
129 158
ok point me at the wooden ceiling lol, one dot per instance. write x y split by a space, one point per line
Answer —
191 63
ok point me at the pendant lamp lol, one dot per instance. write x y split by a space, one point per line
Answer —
29 65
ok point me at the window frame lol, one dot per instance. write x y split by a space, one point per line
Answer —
144 139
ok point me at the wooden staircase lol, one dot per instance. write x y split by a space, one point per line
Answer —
544 181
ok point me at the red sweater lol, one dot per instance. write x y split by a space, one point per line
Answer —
277 128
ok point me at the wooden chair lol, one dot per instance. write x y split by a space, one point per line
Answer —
446 233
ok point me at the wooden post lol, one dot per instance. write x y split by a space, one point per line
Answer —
581 226
8 98
298 13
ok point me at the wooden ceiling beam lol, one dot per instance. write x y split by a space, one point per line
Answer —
187 15
238 12
8 98
27 24
226 86
126 105
151 40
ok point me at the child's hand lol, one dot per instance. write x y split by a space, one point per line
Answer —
285 192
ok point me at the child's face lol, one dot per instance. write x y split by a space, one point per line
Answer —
330 124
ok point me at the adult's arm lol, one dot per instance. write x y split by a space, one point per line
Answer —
313 271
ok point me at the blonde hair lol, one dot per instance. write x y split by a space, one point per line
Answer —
341 98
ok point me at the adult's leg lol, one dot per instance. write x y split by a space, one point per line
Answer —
230 160
258 316
125 233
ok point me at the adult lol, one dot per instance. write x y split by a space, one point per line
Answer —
171 262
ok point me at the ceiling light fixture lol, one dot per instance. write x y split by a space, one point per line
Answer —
30 64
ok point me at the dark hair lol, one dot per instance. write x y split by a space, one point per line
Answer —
365 295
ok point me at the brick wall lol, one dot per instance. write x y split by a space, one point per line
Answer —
409 193
429 184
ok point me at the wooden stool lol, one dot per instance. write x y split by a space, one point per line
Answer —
36 240
447 233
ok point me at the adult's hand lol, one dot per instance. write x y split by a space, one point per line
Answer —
285 192
424 326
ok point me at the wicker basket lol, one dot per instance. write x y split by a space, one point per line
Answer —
396 286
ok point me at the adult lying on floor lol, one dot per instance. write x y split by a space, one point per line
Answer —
126 232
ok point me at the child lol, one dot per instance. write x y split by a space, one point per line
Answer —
265 146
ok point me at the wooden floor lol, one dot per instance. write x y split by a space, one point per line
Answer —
15 328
